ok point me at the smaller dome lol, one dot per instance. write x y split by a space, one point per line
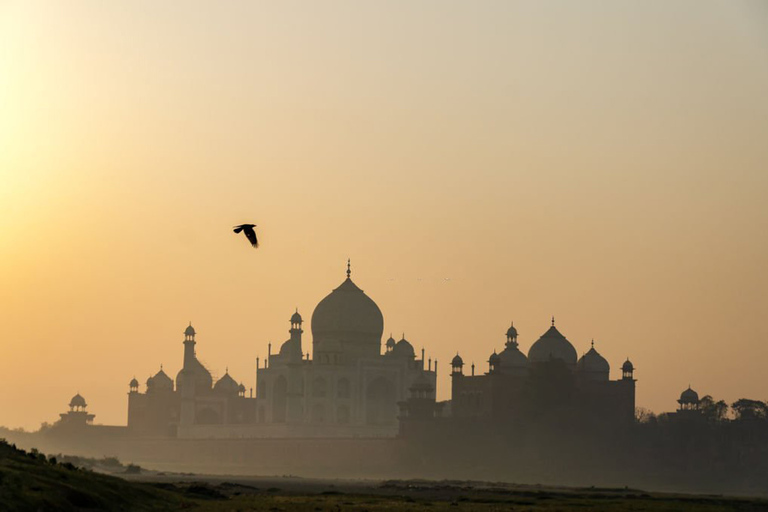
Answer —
512 358
512 332
189 331
241 388
457 360
391 342
689 396
285 347
195 374
160 381
494 359
592 361
226 385
296 318
77 401
627 366
134 383
403 348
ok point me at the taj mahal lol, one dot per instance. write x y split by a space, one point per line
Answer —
348 388
353 386
356 404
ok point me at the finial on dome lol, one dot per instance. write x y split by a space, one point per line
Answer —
226 369
593 342
553 320
349 268
161 366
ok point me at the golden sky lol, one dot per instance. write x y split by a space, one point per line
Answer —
603 162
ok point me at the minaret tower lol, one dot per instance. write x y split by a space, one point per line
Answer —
295 340
187 387
189 346
512 335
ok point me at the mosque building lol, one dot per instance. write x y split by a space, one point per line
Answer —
550 383
350 387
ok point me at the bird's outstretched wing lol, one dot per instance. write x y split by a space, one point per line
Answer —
238 229
250 234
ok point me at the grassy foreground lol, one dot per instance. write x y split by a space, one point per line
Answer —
441 496
29 481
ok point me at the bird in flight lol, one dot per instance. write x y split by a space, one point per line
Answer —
249 233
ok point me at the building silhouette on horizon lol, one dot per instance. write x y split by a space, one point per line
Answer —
348 388
353 386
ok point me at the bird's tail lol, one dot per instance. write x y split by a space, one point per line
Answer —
238 229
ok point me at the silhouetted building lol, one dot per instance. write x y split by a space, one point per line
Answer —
688 409
349 388
689 400
77 416
549 385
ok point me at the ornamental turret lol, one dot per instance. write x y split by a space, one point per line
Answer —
457 364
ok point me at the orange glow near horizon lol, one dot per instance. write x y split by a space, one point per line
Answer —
603 162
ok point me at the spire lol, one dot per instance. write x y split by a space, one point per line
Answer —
349 268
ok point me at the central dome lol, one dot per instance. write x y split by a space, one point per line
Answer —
552 345
348 315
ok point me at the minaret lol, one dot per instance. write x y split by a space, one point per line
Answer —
457 379
189 346
512 335
457 365
295 340
187 384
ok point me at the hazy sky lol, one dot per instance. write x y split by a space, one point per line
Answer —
603 162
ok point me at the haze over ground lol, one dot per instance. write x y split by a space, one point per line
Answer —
603 162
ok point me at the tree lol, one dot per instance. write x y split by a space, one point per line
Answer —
746 409
713 411
643 415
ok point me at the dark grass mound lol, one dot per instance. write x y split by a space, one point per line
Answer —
30 481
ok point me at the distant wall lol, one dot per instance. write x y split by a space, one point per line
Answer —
270 431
